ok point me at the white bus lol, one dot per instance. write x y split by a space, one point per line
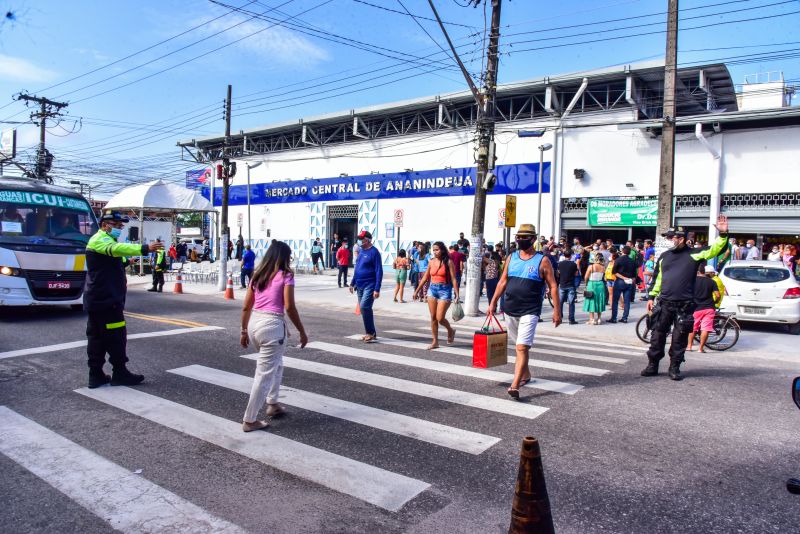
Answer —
43 234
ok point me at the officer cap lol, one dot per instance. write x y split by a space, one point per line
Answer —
674 231
113 216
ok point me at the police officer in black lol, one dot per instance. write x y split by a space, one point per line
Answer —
104 300
673 284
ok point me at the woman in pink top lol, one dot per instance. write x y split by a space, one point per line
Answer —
271 290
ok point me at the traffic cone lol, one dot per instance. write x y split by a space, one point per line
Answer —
229 288
178 284
530 512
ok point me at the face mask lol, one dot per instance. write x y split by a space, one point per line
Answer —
774 250
115 233
749 245
595 248
524 244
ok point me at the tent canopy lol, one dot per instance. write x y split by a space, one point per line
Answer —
159 196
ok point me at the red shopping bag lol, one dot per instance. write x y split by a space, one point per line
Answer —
490 345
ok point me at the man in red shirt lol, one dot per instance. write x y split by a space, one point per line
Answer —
458 262
343 261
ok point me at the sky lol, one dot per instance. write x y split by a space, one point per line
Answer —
139 76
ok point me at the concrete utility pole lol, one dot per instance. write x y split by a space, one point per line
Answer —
485 162
666 178
225 231
44 159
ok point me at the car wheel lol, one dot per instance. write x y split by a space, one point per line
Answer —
794 329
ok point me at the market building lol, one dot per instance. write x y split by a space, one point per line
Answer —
597 134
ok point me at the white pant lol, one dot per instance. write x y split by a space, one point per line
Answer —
522 329
268 333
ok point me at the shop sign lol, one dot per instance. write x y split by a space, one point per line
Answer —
511 179
614 212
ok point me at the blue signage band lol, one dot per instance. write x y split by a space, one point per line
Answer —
511 179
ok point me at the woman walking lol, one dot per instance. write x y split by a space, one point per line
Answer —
400 274
440 274
316 255
595 304
271 290
491 270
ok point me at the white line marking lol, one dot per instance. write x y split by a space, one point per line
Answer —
374 485
566 367
474 372
535 350
494 404
548 339
403 425
76 344
128 502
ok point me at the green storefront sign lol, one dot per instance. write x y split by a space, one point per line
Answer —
610 212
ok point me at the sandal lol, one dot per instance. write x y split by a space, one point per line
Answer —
255 425
451 338
369 339
514 393
432 346
524 381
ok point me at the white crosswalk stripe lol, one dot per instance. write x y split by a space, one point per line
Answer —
461 370
567 367
382 488
492 404
412 427
536 349
127 501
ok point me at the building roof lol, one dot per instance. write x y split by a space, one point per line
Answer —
699 88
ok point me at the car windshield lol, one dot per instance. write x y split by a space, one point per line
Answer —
39 218
757 275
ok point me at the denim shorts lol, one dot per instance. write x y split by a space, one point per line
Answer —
441 291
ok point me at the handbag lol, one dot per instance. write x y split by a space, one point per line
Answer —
458 311
490 345
588 294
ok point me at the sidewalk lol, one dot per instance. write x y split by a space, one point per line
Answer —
322 291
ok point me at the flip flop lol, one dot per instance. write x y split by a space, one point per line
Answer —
514 393
451 339
524 381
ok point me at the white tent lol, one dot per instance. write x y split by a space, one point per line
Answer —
158 196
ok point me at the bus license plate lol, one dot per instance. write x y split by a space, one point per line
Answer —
58 285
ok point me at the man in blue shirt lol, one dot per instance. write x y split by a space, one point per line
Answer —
366 281
248 264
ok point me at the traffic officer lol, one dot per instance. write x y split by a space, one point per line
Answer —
104 300
159 266
673 284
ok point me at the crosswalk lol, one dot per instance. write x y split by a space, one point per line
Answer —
397 351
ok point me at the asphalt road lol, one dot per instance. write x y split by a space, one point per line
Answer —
621 454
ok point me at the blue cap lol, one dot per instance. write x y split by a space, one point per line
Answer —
114 216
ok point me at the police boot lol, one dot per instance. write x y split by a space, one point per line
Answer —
98 378
152 289
675 371
123 377
651 369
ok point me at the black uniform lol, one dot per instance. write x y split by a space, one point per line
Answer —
673 284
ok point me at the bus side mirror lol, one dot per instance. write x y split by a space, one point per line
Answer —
796 391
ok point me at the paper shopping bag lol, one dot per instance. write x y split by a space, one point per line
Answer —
490 345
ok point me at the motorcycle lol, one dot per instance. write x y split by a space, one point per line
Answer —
793 484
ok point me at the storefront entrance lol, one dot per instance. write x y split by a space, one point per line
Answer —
343 221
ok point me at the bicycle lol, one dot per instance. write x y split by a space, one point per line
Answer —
724 336
578 296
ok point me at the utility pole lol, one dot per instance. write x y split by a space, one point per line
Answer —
485 101
226 186
48 109
666 178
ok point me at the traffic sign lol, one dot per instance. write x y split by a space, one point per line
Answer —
511 211
239 219
501 218
398 218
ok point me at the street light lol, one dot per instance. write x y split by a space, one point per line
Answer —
249 225
542 149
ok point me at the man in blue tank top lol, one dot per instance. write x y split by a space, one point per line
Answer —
524 275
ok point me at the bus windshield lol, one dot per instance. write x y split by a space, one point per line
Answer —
44 218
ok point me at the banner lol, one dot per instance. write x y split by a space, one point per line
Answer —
612 212
199 179
520 178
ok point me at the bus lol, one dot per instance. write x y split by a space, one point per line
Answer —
44 229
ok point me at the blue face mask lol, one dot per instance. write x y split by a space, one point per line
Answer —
115 233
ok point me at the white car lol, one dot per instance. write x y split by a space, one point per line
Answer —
762 291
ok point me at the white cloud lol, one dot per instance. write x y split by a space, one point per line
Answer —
19 69
277 44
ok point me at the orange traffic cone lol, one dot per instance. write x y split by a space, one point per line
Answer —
178 284
229 288
530 512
